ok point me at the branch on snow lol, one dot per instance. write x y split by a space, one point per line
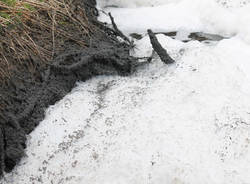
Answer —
117 31
159 49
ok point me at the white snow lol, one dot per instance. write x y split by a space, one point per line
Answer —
186 15
187 123
132 3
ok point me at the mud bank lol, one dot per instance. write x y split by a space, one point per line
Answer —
28 94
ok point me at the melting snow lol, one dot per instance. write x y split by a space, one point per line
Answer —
184 123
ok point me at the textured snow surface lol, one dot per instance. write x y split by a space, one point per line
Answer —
133 3
228 18
150 3
187 123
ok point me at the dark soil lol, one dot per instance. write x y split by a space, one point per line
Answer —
28 94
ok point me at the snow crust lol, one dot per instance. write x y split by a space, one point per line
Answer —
151 3
133 3
187 123
222 17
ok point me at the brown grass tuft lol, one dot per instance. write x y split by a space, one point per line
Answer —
36 30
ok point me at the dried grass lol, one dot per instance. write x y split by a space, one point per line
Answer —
33 29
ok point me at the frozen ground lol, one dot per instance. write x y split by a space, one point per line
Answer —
187 123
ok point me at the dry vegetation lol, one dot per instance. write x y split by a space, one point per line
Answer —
34 30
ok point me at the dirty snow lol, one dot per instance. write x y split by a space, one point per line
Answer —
187 123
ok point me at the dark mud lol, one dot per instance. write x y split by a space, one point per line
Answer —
28 94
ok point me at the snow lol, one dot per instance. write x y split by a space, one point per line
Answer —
184 123
186 15
132 3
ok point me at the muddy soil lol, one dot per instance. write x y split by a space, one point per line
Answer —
28 94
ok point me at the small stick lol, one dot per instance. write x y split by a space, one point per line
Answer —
118 32
159 49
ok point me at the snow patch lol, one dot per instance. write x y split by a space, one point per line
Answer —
133 3
192 16
184 123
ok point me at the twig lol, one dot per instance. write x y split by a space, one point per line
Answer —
159 49
118 32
